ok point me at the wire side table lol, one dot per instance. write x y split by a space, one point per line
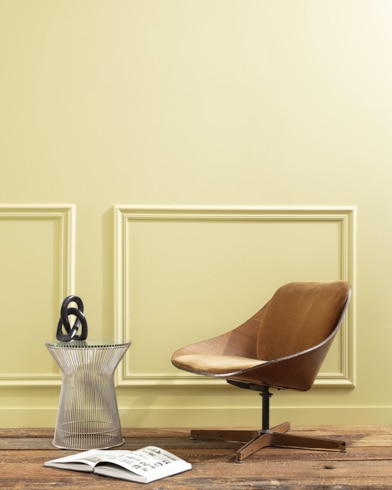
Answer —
88 415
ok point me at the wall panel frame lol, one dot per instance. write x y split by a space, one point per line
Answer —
137 226
38 262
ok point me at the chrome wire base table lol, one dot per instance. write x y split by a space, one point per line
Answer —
88 415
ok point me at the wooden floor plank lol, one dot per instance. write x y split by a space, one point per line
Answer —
366 464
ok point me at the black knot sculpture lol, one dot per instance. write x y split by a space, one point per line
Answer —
66 332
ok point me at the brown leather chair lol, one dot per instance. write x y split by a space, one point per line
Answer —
282 346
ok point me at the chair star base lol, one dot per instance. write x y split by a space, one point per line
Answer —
277 436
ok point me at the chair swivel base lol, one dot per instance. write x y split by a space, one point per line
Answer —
277 436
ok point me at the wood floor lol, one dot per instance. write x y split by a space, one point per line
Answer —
366 464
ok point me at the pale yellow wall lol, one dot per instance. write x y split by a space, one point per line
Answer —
172 162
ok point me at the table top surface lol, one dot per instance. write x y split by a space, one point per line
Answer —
87 344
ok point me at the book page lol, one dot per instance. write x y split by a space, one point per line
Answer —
90 458
144 465
146 460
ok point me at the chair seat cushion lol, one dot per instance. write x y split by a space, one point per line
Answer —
215 365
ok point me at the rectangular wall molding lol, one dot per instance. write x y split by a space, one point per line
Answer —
174 263
37 256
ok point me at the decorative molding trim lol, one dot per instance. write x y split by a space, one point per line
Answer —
125 215
65 215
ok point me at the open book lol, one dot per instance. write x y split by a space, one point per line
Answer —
143 465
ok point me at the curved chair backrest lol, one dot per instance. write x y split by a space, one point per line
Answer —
299 316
